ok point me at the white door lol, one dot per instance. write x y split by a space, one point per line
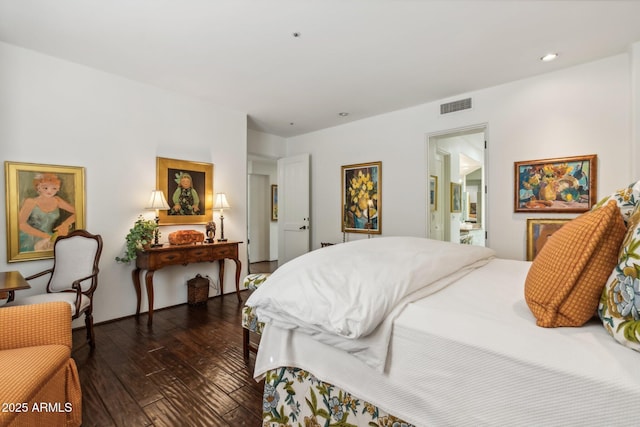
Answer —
293 207
259 217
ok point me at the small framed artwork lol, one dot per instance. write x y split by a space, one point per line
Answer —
43 202
456 197
565 184
274 202
362 198
188 187
538 231
433 193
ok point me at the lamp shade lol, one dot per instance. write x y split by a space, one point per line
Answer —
157 201
221 201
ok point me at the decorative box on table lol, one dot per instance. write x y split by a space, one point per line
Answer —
186 237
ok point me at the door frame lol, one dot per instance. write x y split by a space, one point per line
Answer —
475 128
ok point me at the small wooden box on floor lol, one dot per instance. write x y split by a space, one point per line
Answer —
198 290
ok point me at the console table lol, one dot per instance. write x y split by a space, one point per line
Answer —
153 259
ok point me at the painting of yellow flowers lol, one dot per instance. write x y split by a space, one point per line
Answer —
362 198
565 184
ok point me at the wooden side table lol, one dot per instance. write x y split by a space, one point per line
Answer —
153 259
11 281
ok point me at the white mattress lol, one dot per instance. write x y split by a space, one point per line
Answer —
471 354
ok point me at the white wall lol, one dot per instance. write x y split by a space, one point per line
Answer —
57 112
581 110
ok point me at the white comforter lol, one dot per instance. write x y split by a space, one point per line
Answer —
347 295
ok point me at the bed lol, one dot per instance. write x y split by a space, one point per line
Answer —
408 331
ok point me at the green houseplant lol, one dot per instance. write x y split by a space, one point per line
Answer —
140 236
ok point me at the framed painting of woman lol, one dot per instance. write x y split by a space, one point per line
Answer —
42 202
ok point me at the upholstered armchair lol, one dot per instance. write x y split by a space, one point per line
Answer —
37 368
73 277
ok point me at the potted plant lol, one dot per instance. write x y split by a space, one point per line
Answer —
140 236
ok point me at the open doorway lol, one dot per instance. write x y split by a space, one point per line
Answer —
262 230
457 188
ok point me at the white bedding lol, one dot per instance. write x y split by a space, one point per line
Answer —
347 295
471 354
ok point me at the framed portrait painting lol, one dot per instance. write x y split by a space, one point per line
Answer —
42 202
538 231
188 188
456 197
433 193
565 184
274 202
362 198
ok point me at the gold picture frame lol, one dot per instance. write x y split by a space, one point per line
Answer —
58 195
362 198
565 184
170 175
538 231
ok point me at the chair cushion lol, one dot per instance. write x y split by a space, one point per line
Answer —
250 320
565 280
253 281
68 297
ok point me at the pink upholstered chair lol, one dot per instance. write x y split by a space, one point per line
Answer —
73 277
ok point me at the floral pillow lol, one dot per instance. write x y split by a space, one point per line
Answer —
626 199
619 307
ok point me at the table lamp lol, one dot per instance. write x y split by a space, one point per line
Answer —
221 203
158 203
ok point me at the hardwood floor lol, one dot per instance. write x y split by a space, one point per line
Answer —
186 370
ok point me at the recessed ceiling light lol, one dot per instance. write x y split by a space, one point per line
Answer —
343 114
549 57
291 124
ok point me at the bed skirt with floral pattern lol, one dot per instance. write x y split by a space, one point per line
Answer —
295 398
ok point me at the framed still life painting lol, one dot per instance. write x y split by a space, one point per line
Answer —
188 188
43 202
565 184
362 198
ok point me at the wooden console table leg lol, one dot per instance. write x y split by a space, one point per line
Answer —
135 274
221 275
148 278
238 268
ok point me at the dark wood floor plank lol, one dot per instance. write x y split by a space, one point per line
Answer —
186 369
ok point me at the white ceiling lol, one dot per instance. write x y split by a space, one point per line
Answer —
365 57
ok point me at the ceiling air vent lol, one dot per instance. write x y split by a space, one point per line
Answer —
450 107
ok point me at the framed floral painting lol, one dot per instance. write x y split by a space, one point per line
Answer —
188 187
43 202
362 198
565 184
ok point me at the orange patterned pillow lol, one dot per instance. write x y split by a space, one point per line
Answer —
566 278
